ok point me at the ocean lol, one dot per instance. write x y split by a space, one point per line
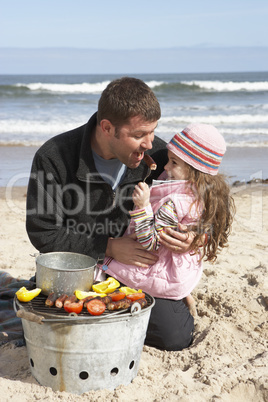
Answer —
33 108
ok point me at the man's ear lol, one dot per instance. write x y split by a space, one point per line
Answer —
107 127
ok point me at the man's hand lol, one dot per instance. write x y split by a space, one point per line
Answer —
129 251
177 242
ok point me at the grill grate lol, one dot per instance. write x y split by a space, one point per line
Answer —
38 306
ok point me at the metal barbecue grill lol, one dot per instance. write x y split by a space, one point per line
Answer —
37 306
79 353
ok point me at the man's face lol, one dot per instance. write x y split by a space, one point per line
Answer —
130 141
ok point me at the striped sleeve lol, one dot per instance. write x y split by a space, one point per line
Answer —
148 226
166 216
144 228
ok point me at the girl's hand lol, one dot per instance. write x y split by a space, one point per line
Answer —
141 195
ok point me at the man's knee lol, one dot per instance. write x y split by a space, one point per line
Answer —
170 327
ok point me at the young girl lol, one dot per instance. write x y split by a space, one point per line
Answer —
192 194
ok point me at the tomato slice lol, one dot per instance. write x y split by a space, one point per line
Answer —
117 296
73 307
96 307
136 296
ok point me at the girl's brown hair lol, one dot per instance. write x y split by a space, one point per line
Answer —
213 194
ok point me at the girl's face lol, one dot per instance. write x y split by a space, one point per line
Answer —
176 168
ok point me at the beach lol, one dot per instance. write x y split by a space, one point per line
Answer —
228 358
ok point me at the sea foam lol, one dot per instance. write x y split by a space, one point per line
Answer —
229 86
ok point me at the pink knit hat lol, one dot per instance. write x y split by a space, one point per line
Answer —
199 145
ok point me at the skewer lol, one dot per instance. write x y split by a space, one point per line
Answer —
151 165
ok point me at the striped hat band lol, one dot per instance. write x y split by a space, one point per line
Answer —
199 145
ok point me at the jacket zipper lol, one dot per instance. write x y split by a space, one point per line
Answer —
113 196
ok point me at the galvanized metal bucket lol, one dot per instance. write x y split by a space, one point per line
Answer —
82 354
64 272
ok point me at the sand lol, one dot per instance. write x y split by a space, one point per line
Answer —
228 359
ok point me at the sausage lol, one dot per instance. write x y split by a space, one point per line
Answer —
86 300
150 162
52 297
117 305
60 300
143 302
105 299
70 299
89 298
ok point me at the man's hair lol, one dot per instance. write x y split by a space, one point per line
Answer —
127 97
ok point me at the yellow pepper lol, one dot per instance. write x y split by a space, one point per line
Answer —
129 291
80 294
25 295
107 286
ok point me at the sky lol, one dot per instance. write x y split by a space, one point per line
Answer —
118 29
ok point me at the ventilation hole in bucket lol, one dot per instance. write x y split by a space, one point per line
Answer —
53 371
131 364
114 371
83 375
31 362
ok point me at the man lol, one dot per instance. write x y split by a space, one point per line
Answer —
81 184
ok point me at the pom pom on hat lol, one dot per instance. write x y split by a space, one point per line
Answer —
199 145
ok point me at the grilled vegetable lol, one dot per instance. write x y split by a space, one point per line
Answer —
25 295
136 296
96 307
115 296
128 291
107 286
73 307
80 294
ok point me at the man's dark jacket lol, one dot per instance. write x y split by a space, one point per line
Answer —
69 205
